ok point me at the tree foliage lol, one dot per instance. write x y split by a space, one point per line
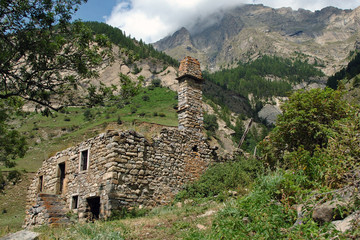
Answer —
42 56
254 77
137 49
42 52
12 143
352 69
315 134
210 124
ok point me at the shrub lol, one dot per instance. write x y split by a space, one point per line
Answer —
317 134
156 82
2 182
14 176
145 98
220 178
119 121
306 122
210 124
67 119
162 115
88 115
133 109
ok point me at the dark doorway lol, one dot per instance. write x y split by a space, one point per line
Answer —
94 207
61 175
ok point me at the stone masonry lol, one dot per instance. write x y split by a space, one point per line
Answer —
116 170
190 95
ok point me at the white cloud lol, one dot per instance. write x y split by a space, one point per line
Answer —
152 20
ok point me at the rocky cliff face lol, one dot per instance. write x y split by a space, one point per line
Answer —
244 33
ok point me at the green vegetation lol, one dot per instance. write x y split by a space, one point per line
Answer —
98 231
47 135
313 134
297 171
348 73
135 50
210 124
223 177
42 54
265 77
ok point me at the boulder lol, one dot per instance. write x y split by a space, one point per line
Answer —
23 235
347 223
327 211
269 113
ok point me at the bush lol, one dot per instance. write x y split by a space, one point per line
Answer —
220 178
162 115
146 98
14 176
88 115
133 109
210 124
306 122
317 134
119 121
67 119
2 182
156 82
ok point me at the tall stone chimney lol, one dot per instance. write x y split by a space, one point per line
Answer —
190 111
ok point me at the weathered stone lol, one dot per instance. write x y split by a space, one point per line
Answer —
23 235
123 169
348 223
327 211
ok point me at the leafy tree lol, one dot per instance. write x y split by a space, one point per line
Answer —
42 52
156 82
239 129
42 56
349 72
12 143
307 123
265 77
210 123
135 50
129 88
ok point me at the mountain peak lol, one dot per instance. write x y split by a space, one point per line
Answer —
180 37
247 32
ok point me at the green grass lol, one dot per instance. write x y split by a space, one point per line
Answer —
48 135
163 222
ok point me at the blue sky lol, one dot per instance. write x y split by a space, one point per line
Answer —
151 20
96 10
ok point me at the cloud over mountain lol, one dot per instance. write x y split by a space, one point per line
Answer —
155 19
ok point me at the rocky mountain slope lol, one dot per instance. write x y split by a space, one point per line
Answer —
244 33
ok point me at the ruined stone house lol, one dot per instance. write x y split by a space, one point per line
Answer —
121 169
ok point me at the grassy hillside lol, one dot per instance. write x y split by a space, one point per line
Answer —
47 135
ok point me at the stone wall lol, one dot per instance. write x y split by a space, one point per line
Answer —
125 169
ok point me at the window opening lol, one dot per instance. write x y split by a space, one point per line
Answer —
75 202
41 179
62 176
84 160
